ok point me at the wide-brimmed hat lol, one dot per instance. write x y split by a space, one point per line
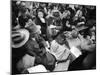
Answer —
19 37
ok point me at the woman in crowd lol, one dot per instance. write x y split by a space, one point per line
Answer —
67 21
40 20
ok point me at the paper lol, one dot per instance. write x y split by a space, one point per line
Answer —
61 52
75 51
38 68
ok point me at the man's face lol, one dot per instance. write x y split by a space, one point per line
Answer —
60 40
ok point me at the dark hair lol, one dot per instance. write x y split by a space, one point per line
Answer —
14 22
40 10
71 11
22 9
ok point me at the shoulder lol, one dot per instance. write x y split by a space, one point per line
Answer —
31 44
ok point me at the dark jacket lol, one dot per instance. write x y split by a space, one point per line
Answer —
37 48
65 28
43 25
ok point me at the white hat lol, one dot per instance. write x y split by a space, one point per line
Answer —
19 37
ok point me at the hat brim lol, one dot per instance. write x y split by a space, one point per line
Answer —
26 33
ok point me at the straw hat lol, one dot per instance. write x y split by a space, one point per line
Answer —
19 38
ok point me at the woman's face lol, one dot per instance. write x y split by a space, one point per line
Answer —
40 14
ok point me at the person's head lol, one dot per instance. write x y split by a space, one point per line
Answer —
55 13
33 28
93 33
66 13
76 6
93 36
22 3
93 28
78 14
43 5
71 12
40 13
61 39
74 33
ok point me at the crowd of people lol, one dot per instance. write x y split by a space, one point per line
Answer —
45 35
